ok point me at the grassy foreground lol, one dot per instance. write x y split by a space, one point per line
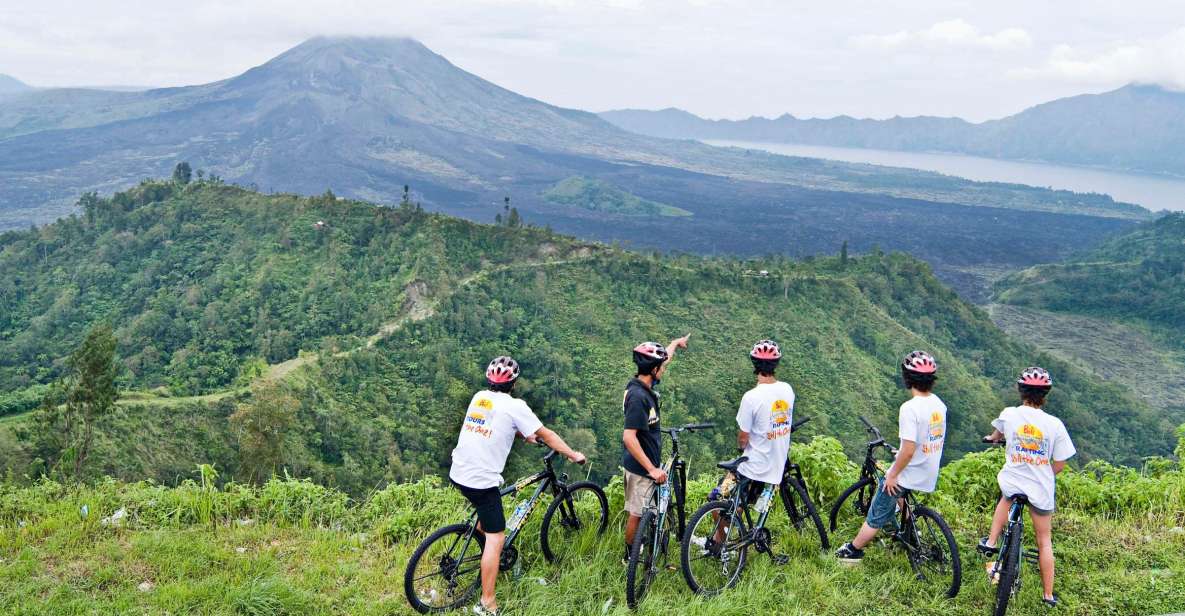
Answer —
292 547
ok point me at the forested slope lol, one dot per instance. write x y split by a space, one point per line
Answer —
399 310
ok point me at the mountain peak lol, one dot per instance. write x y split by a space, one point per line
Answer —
12 85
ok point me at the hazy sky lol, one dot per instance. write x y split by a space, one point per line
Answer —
718 58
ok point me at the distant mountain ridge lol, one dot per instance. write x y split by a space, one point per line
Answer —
367 116
1139 128
11 85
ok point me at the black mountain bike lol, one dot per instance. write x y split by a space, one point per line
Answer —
799 507
648 554
445 570
1006 571
925 536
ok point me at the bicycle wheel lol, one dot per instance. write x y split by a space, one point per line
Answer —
938 553
583 514
802 512
860 494
714 549
643 560
1009 570
445 570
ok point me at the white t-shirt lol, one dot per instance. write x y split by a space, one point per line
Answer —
1035 439
491 423
922 419
766 413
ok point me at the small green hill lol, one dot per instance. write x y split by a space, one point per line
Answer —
599 196
1118 309
1138 276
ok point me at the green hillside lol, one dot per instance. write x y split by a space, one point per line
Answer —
1138 276
1118 310
599 196
292 547
387 317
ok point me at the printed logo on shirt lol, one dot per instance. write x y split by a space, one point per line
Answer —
653 419
779 420
1031 446
475 421
484 403
937 435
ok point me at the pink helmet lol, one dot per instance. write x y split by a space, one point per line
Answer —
766 350
1035 377
650 355
920 362
502 370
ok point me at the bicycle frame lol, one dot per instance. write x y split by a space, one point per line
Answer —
740 507
547 478
1014 530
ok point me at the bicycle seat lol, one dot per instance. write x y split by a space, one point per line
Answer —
731 465
1021 499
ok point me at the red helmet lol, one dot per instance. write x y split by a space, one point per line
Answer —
502 370
650 355
1035 377
920 362
766 350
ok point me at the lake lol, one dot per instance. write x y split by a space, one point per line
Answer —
1152 192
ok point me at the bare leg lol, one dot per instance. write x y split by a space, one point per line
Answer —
489 568
631 527
865 536
999 519
1043 529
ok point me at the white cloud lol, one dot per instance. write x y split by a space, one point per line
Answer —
1160 60
950 33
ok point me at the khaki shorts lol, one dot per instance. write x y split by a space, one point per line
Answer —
638 490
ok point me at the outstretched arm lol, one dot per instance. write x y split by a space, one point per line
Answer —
553 440
677 343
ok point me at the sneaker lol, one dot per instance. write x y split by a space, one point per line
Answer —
707 547
1051 602
985 549
482 610
847 553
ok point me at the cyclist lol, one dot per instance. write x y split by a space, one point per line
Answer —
642 436
1036 449
921 424
764 421
493 420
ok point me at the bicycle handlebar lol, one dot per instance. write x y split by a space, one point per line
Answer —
999 443
871 429
704 425
798 424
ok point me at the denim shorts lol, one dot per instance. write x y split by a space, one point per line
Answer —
882 511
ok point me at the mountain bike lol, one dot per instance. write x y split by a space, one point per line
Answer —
716 544
445 570
648 554
797 501
1006 571
923 533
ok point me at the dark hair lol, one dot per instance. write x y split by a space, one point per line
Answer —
918 381
502 387
1032 394
765 367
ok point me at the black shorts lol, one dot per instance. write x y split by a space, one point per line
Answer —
488 503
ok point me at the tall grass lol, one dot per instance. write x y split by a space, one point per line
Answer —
293 547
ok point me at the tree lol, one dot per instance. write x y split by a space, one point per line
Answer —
514 220
75 406
843 255
264 427
182 173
